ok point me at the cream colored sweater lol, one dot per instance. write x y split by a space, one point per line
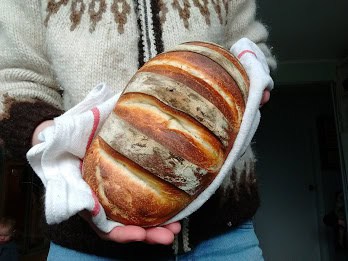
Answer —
72 45
53 52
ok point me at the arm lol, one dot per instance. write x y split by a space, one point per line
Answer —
242 23
28 92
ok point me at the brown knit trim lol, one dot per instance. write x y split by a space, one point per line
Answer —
18 122
203 8
241 205
184 11
121 10
7 105
77 9
96 15
162 13
53 7
217 8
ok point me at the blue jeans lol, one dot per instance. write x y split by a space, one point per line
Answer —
240 244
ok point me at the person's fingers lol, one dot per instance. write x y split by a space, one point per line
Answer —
35 138
175 227
159 235
126 234
265 97
119 234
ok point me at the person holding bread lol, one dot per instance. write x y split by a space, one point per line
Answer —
53 54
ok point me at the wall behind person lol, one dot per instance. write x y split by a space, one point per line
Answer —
295 192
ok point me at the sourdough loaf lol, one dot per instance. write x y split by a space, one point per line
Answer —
168 135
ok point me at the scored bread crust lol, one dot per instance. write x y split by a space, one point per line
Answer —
157 151
181 97
204 76
120 185
180 133
209 79
242 84
154 157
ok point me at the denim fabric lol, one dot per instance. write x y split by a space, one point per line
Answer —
240 244
57 252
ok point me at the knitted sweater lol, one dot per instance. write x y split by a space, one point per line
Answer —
53 52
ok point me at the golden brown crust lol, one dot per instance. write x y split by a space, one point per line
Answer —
192 68
198 85
204 89
183 98
147 129
128 193
228 55
154 157
173 129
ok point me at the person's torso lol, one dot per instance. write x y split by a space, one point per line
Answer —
93 41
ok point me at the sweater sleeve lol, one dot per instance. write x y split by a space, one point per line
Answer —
242 22
29 93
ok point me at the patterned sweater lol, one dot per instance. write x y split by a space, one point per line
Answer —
53 52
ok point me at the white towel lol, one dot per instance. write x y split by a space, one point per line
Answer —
57 160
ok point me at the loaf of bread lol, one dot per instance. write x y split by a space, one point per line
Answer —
168 135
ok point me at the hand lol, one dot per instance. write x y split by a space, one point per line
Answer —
35 140
154 235
265 97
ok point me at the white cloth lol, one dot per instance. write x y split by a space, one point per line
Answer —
57 160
